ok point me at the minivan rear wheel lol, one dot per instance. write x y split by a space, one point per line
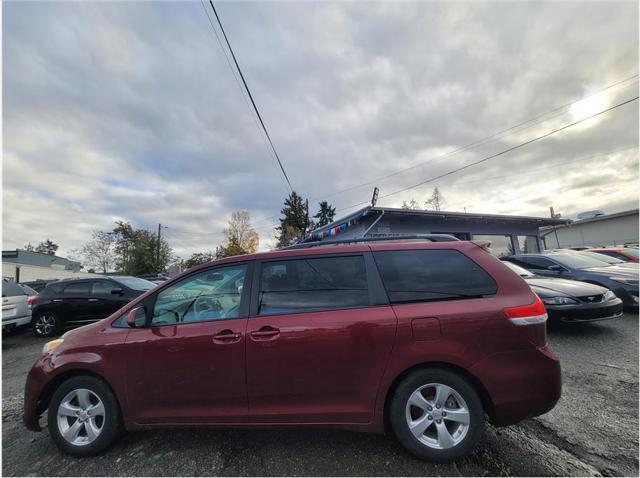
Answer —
84 416
437 415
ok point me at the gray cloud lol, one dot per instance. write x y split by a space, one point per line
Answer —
129 111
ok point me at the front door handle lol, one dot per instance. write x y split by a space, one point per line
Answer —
265 333
227 336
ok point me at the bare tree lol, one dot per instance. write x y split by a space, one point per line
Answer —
436 201
100 252
241 237
413 204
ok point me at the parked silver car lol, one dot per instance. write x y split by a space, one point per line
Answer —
15 305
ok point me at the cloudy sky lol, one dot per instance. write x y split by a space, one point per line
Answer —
129 111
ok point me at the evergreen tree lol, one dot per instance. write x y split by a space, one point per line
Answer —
47 247
295 222
325 215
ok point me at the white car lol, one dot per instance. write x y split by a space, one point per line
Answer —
15 304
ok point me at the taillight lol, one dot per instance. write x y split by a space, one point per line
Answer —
527 314
31 300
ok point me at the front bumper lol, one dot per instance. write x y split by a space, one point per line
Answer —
36 382
521 384
610 309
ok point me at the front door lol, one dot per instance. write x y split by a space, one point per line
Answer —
188 364
317 342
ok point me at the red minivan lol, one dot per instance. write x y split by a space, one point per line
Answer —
424 340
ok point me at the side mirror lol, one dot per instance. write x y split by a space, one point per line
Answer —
117 291
137 317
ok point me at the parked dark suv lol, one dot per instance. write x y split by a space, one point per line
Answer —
427 338
80 301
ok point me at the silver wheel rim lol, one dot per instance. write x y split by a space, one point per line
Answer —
45 324
437 416
81 417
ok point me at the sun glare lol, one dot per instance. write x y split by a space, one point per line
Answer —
588 107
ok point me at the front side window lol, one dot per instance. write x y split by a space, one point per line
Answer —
430 275
528 244
501 245
102 287
213 294
313 284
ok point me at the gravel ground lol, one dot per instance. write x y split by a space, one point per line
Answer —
593 431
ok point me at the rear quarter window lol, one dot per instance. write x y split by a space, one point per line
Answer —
432 275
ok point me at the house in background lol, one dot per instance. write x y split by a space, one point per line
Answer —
507 234
22 266
608 230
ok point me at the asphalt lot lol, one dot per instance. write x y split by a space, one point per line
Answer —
592 431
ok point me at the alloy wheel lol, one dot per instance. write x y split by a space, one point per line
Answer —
45 324
81 417
437 416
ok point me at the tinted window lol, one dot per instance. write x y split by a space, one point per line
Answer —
11 289
77 288
136 283
521 271
500 244
420 276
27 290
213 294
313 284
102 287
536 263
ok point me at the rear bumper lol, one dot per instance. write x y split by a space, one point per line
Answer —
585 312
16 322
521 384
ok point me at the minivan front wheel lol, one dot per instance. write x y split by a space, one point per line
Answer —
84 416
437 415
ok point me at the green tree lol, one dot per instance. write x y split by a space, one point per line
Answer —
139 252
295 222
325 215
47 247
198 258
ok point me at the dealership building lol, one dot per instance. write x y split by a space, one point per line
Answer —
507 234
608 230
22 266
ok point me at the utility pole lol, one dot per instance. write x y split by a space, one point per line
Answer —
158 250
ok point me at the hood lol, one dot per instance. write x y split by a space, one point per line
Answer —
613 271
548 287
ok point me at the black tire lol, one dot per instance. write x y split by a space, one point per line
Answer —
111 424
39 331
398 419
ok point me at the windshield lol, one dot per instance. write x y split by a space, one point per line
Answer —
631 252
578 261
601 257
521 271
135 283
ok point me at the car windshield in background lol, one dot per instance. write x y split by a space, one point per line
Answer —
578 261
521 271
135 283
601 257
631 252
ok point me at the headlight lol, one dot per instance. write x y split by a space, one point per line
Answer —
559 300
49 347
608 295
625 280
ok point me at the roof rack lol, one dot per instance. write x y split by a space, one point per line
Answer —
358 240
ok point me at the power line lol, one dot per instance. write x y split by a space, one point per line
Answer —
255 107
533 121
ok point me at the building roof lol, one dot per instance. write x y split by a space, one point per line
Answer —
361 213
40 259
631 212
